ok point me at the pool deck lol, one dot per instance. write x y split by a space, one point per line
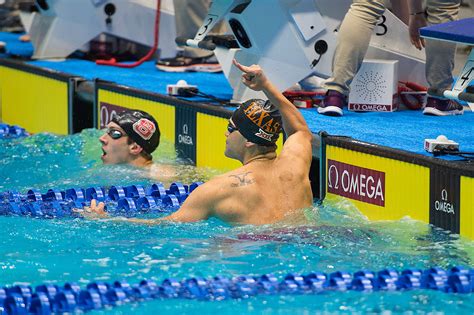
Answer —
404 129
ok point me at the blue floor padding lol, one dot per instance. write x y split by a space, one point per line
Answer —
15 47
461 31
144 77
405 130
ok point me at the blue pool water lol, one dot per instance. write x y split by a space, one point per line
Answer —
36 251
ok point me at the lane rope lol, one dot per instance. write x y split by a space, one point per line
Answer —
119 200
70 298
12 131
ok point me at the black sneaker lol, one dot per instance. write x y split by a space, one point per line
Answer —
181 63
442 107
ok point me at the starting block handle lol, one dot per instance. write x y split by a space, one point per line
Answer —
467 96
463 96
203 44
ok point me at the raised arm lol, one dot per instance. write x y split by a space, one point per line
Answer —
298 142
254 78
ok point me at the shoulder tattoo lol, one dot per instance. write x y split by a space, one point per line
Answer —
241 180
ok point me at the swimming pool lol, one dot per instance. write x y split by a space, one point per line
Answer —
36 251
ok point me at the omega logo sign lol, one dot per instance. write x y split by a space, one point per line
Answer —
184 137
357 183
370 107
444 205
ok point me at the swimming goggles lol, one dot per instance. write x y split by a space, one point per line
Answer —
114 133
231 128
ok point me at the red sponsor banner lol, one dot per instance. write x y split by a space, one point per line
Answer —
355 182
107 112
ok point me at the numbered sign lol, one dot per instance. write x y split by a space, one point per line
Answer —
466 76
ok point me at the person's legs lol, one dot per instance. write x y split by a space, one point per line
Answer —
440 54
353 41
189 16
10 16
440 58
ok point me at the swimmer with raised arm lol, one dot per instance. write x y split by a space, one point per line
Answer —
267 188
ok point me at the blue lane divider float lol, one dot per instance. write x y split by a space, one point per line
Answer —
9 131
119 200
70 298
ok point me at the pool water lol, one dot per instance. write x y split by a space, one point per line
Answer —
36 251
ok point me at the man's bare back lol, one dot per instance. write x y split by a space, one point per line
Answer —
260 192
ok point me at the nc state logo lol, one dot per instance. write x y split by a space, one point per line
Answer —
144 128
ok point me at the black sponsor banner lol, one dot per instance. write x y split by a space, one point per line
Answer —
444 199
107 112
185 133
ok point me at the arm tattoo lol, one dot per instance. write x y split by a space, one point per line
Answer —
242 180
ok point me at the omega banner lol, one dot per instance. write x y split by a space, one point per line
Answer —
185 133
355 182
445 199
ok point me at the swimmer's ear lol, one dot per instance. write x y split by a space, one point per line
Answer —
249 144
135 148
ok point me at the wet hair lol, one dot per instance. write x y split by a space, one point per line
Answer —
141 127
258 121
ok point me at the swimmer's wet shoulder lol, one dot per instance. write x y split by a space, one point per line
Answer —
241 179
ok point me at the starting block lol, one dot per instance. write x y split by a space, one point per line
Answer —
288 39
61 27
461 31
291 39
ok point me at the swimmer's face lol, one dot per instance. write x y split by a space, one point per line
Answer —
115 146
235 142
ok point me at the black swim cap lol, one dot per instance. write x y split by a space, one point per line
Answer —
258 121
141 127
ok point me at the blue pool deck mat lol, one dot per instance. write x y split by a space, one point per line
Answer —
404 129
461 31
15 47
144 77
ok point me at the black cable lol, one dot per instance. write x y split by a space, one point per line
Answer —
190 92
465 155
212 97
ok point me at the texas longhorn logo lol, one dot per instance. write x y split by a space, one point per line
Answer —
144 128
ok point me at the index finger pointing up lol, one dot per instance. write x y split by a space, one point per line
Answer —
240 67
